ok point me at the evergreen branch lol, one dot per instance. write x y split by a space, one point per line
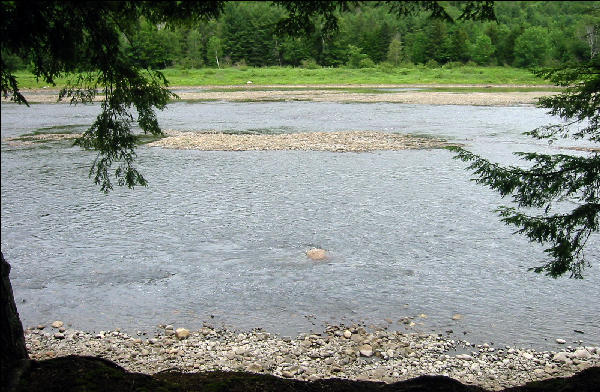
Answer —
552 178
567 234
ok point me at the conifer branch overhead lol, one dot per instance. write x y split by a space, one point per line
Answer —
569 184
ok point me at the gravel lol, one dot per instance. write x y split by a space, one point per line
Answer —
324 93
348 352
348 141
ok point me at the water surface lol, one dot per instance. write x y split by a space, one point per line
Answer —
220 237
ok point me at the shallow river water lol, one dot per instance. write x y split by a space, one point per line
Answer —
219 237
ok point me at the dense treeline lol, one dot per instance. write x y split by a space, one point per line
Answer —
526 34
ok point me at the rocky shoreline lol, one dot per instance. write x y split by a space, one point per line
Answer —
353 353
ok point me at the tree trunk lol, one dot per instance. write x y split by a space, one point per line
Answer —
13 352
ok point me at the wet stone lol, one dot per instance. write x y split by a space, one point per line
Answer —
57 324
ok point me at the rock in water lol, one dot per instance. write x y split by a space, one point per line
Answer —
57 324
317 254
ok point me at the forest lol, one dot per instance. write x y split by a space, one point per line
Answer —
525 35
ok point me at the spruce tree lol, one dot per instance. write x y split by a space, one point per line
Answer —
557 197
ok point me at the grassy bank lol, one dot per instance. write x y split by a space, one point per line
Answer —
295 76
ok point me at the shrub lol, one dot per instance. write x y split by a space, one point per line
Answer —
386 67
366 63
431 63
355 56
452 65
309 64
241 65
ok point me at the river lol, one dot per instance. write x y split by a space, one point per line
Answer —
219 237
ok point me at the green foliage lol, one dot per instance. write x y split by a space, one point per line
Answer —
436 37
249 33
456 45
432 64
366 63
111 134
259 33
395 53
11 61
558 196
194 56
214 51
503 40
482 50
454 73
418 47
310 64
295 50
356 57
531 47
85 40
151 47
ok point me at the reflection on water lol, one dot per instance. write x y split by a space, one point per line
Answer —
223 234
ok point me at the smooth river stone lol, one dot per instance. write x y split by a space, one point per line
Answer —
316 254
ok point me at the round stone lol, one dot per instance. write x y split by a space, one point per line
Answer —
182 333
582 353
366 350
561 357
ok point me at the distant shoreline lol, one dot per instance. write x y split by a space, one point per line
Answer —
343 94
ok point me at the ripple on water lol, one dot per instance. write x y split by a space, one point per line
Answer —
225 234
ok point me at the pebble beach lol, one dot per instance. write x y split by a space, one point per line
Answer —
347 352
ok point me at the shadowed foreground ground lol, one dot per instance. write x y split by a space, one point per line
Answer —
77 373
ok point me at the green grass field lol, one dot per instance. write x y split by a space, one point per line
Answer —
342 76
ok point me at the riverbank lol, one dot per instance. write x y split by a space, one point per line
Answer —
352 353
289 76
387 93
453 94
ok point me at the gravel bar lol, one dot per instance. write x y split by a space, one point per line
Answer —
348 141
335 93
